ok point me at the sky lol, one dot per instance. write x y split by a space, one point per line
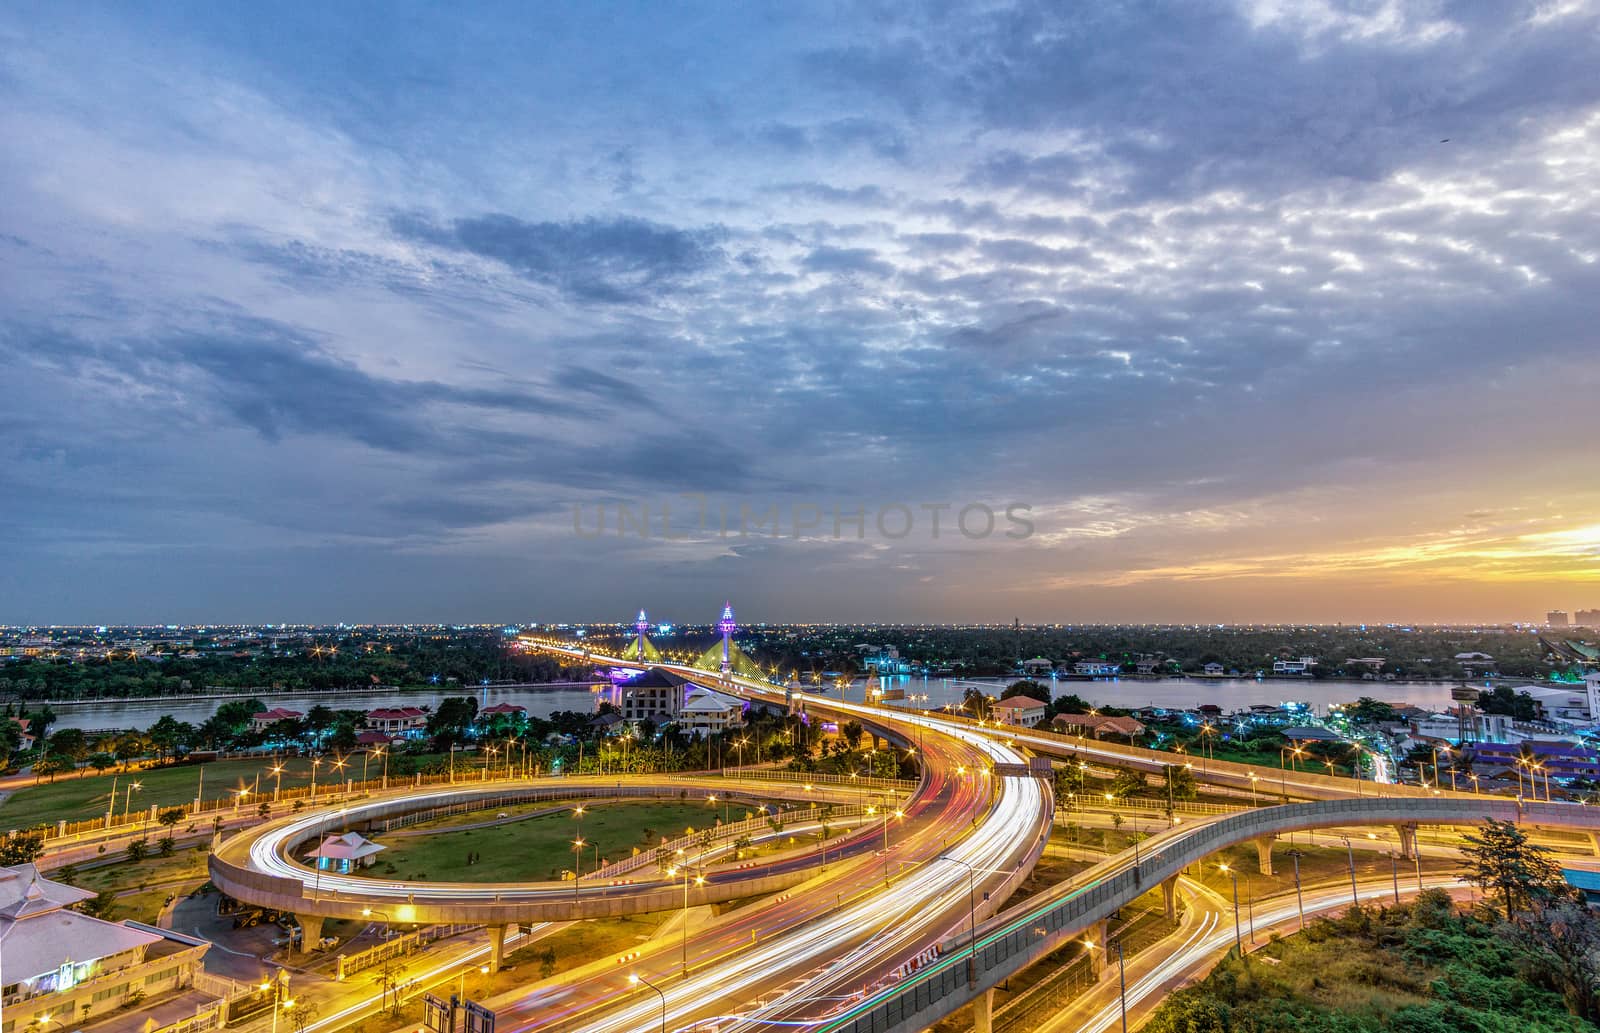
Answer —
1256 311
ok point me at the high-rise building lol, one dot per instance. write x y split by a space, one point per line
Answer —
1556 619
1587 618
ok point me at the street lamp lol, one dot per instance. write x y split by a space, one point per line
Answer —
277 784
127 801
1351 855
699 880
636 979
1238 935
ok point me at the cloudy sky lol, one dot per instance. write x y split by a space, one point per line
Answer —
1267 310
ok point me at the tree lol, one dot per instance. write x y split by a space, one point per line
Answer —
390 977
852 732
137 850
1127 782
165 845
167 735
39 722
102 761
1071 703
52 764
22 848
1366 711
1180 781
70 742
977 703
1562 940
170 817
1500 859
1029 688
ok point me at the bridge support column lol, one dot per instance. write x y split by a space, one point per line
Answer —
310 931
1408 841
1594 842
1100 933
497 947
1264 853
983 1013
1169 898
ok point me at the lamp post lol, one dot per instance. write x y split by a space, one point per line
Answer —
277 781
636 979
1299 900
699 880
315 763
577 864
1238 935
127 801
1122 984
1350 854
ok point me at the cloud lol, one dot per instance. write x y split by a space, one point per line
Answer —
614 260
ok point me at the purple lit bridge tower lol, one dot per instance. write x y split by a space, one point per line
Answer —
727 626
641 625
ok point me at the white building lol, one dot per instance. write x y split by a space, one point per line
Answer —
75 969
656 695
1020 711
1300 666
1096 668
708 712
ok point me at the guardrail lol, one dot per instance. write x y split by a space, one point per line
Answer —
1016 939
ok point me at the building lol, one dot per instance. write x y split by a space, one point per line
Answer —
343 854
1301 666
267 718
25 739
401 722
1038 667
1560 703
1587 618
707 712
1021 711
1096 668
1557 619
1212 670
61 969
1097 726
655 695
510 710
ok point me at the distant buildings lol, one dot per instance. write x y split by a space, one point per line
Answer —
1096 668
1556 618
267 718
1587 618
706 712
62 967
1020 711
1301 666
398 722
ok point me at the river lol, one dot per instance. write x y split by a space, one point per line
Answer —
1228 693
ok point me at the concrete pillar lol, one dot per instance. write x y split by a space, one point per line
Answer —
310 931
1594 843
1169 898
497 947
1101 935
1264 853
1408 840
983 1013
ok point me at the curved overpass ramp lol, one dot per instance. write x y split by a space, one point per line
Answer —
1016 939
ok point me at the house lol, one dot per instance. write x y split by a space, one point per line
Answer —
1020 711
1038 667
267 718
1097 725
25 738
509 710
343 854
1301 666
1096 668
405 722
58 966
707 712
1212 670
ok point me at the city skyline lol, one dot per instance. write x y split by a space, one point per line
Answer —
1264 313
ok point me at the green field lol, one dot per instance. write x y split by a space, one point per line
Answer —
539 848
75 797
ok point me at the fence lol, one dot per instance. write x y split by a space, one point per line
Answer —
396 947
899 785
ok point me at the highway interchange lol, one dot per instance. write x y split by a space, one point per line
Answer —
837 950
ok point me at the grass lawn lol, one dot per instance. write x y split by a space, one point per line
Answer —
539 848
143 887
74 797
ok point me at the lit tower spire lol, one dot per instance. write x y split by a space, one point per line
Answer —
727 627
641 625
